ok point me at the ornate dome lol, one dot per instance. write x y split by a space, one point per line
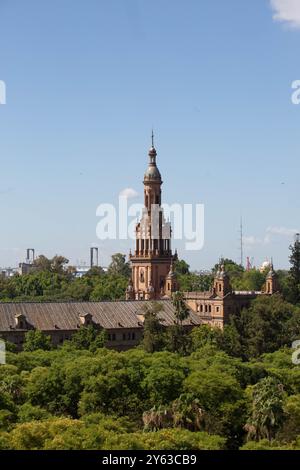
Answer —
152 173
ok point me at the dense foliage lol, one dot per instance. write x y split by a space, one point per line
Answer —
74 398
51 279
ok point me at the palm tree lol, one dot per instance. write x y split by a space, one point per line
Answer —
187 413
267 409
181 310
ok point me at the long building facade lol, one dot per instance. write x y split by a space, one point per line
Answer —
123 321
215 306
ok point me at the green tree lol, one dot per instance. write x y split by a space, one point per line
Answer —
194 282
36 339
28 412
55 265
58 264
181 309
154 332
235 271
181 267
252 280
267 409
78 290
119 266
290 429
95 271
42 263
88 337
163 380
295 270
213 388
265 326
204 335
165 439
178 339
109 287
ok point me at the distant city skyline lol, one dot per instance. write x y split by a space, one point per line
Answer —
85 85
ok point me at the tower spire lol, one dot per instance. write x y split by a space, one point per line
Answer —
152 138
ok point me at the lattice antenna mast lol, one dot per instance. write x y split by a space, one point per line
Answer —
242 242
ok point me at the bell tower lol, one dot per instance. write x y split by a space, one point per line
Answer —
152 258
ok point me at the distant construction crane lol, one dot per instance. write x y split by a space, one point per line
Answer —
248 264
241 242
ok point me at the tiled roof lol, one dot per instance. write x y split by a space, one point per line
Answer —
49 316
199 295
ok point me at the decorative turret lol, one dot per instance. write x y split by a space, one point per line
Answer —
171 281
150 292
20 321
130 291
152 173
271 285
221 282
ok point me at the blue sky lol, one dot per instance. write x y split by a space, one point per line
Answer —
87 80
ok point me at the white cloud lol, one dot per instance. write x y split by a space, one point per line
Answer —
287 11
129 193
269 234
251 240
282 231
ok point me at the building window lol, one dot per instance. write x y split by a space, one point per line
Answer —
124 337
132 335
209 308
217 309
201 308
113 337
